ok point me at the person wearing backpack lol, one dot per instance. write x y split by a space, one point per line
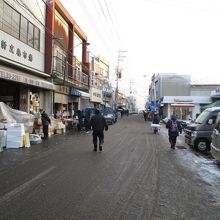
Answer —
174 128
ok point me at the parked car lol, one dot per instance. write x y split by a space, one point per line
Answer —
86 112
215 143
198 134
110 115
90 111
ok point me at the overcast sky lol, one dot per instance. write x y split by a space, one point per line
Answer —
160 36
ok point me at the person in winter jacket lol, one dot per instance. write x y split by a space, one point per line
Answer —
156 117
174 128
98 124
45 122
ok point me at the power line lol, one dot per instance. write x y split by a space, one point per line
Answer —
45 28
91 20
100 5
116 32
40 9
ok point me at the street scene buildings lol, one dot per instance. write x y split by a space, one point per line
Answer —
75 144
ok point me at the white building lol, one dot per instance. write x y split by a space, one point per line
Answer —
175 94
24 84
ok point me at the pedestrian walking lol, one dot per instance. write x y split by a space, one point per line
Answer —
45 122
156 117
80 120
86 121
98 124
174 128
127 112
145 115
122 113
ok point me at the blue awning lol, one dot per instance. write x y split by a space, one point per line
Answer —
79 93
75 92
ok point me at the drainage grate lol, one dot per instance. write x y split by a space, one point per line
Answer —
181 147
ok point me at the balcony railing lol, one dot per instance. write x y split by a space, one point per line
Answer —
68 73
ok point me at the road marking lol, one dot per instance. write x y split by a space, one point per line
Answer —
22 187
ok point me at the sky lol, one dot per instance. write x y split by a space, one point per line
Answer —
159 36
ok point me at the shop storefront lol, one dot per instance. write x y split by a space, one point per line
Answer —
107 98
184 107
81 99
95 97
23 91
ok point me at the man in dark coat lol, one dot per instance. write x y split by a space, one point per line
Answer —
45 122
98 124
80 122
174 128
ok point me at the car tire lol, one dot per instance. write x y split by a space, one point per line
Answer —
202 145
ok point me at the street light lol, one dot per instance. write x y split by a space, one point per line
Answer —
153 87
85 43
120 58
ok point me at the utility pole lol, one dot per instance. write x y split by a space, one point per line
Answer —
118 75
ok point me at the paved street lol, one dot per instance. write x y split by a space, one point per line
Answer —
137 176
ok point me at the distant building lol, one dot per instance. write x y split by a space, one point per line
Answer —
174 94
100 88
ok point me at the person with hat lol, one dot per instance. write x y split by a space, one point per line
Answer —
174 129
45 122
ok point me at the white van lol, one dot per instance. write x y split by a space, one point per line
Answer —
215 142
198 134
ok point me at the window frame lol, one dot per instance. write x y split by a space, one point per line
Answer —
22 17
9 29
38 37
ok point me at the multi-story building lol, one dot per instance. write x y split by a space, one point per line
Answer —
24 84
66 59
100 88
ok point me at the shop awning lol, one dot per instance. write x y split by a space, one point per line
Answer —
182 105
75 92
214 104
85 94
20 76
79 93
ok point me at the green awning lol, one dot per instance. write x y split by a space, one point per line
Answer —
214 104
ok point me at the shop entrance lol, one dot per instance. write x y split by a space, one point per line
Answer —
182 113
9 93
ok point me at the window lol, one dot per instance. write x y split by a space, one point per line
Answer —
7 15
30 34
13 23
1 13
23 29
36 38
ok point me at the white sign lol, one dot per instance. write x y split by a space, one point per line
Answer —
95 95
26 79
19 52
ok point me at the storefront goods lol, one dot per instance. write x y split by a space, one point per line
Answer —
2 139
35 139
15 135
9 115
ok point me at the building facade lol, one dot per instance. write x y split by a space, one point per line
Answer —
66 59
24 83
174 94
101 91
